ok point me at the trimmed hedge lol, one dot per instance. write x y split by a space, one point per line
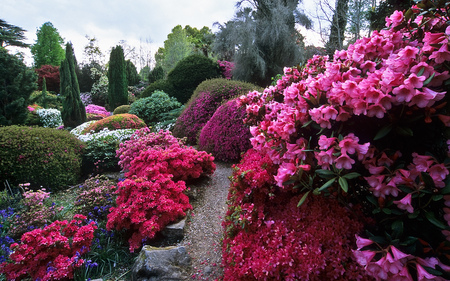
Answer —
113 122
208 96
152 108
122 109
159 85
44 157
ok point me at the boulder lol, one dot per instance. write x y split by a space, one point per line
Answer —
161 264
174 233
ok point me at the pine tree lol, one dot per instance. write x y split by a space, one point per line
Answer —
73 112
117 87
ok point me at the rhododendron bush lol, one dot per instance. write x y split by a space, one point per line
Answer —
369 128
51 253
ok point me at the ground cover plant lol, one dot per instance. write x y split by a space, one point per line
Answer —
369 128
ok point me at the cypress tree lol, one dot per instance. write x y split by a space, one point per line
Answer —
73 112
117 87
44 93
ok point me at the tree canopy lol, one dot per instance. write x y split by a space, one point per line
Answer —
48 47
11 35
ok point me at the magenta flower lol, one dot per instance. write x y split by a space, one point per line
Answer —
405 204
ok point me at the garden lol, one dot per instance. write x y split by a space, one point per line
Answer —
340 167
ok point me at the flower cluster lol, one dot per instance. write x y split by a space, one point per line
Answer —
97 195
96 112
120 135
50 118
51 253
5 240
225 136
370 127
141 140
227 68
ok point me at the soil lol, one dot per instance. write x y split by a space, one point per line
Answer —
203 234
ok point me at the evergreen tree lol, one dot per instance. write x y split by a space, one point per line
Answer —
133 77
117 87
73 112
337 30
44 93
11 35
48 47
17 82
156 74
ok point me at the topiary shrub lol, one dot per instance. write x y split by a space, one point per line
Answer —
189 73
122 109
159 85
40 156
152 108
208 96
225 136
113 122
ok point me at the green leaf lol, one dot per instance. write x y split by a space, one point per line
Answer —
302 200
421 71
429 79
327 184
344 184
428 180
404 131
372 200
325 173
397 228
352 175
387 211
437 197
383 132
431 218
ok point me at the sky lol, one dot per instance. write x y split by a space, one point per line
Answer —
110 21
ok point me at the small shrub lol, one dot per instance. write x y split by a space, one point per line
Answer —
96 197
151 109
159 85
41 156
100 154
52 100
225 135
32 116
208 96
189 73
113 122
226 67
96 112
122 109
50 118
99 91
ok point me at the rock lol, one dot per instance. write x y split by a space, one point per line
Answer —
174 232
161 264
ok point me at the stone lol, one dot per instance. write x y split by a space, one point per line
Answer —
174 232
161 264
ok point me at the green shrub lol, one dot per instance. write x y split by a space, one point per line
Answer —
53 101
189 73
44 157
113 122
208 96
151 109
100 154
122 109
159 85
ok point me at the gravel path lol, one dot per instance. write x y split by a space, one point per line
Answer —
204 233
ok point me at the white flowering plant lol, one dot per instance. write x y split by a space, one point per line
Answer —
50 117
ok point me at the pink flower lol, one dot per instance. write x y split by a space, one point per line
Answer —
405 204
395 19
362 242
325 142
423 275
344 162
363 257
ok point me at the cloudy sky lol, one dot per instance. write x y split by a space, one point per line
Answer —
135 21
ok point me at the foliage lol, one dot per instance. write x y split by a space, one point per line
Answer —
41 156
48 48
159 85
141 140
370 127
146 206
201 39
11 35
96 197
73 111
50 253
157 73
384 9
117 87
17 83
52 100
50 118
168 119
114 122
176 47
224 135
99 91
96 112
5 241
32 116
119 134
208 96
133 77
122 109
89 74
100 153
152 108
338 25
51 75
189 73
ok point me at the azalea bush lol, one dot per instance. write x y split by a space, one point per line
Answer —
96 112
114 122
50 253
96 197
225 135
226 67
370 128
207 97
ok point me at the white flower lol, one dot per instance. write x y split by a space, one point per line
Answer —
50 118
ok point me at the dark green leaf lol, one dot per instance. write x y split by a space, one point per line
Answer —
428 180
387 211
302 200
378 239
432 271
431 218
352 175
327 184
404 131
344 184
325 173
372 200
421 71
437 197
383 132
429 79
397 228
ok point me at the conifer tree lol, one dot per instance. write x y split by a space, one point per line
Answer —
73 112
44 93
117 87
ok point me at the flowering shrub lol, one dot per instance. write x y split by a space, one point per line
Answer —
32 117
114 122
361 128
50 253
225 136
119 134
208 96
141 140
96 197
86 98
146 206
96 112
151 109
50 118
41 156
37 213
227 68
